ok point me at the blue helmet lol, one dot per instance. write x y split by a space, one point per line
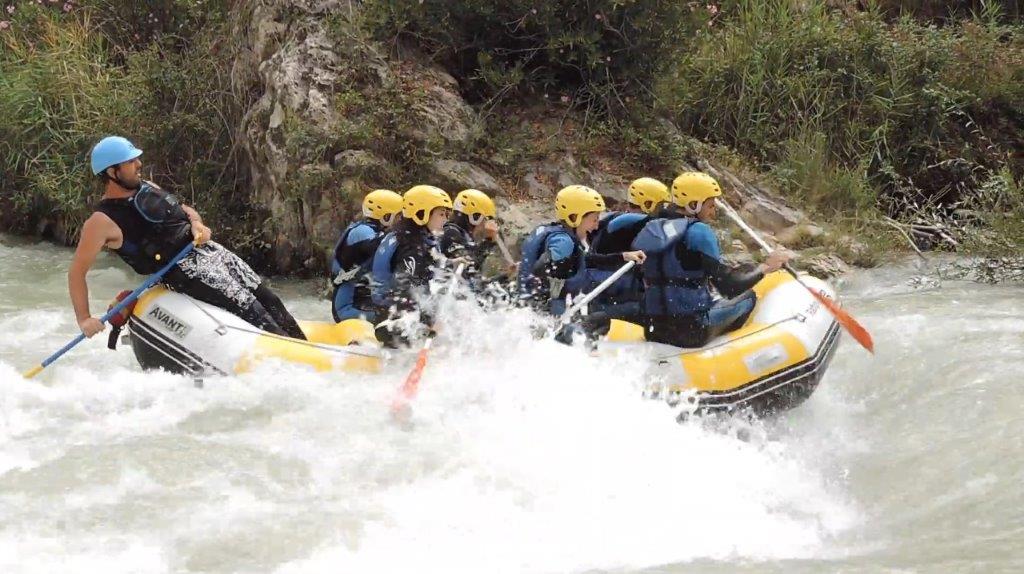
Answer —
111 151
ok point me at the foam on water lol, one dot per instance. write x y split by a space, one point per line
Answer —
520 456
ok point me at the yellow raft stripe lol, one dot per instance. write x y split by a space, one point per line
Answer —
752 351
749 353
146 299
341 334
272 347
730 366
268 346
770 282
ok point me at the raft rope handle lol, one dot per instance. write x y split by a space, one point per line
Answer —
321 346
798 317
222 329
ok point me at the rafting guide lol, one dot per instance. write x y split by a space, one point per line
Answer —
145 226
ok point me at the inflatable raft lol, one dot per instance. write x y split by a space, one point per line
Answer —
172 331
773 363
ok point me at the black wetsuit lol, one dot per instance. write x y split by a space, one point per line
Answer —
457 242
210 273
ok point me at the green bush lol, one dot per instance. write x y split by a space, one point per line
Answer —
130 25
999 207
913 112
68 78
808 173
57 96
599 55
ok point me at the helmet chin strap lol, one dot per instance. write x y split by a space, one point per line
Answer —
693 210
476 218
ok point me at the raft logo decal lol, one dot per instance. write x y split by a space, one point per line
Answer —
176 326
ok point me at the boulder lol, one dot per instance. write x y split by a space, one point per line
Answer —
799 236
314 127
454 176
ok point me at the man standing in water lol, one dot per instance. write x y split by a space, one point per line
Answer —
144 226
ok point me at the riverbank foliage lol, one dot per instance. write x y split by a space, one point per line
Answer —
892 110
71 73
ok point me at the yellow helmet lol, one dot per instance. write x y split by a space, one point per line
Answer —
419 201
382 205
694 186
575 201
475 204
647 192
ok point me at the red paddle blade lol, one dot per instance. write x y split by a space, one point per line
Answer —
411 384
852 326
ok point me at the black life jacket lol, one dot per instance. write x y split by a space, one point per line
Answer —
153 226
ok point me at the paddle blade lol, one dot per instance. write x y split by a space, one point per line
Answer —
400 405
33 371
852 326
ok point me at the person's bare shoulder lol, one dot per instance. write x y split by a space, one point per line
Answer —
100 231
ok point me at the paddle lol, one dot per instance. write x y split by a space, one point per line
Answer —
400 408
149 282
852 326
504 250
575 308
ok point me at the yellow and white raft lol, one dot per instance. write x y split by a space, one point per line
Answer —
773 363
177 333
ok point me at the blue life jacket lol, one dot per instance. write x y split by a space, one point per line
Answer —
670 289
602 225
533 287
346 281
382 276
374 226
625 288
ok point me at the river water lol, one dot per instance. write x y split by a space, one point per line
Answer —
523 456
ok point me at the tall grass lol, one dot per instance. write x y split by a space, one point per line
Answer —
68 79
943 10
857 112
58 95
